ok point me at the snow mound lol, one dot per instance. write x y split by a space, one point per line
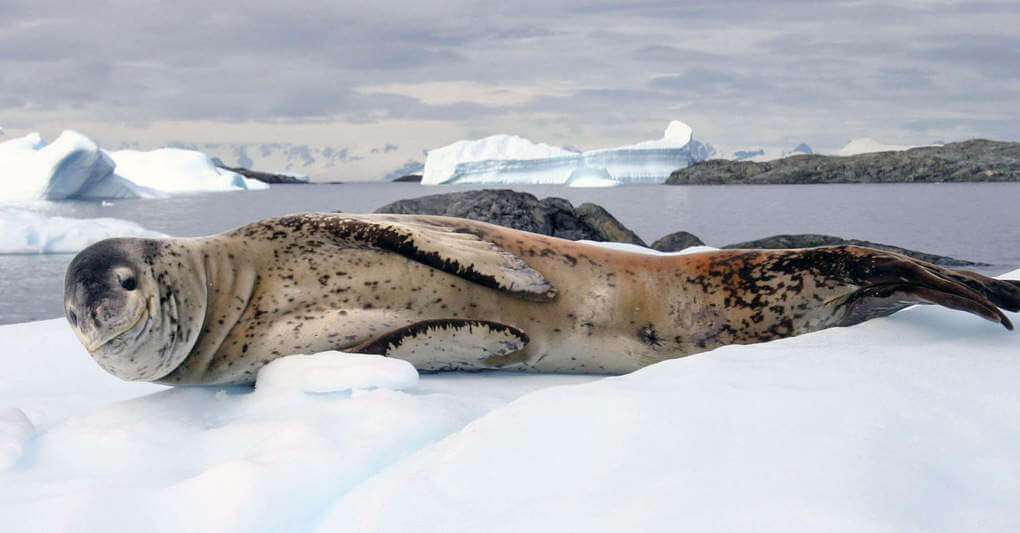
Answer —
638 249
867 145
74 167
906 423
15 430
512 159
335 372
25 232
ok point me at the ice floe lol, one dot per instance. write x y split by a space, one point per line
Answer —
26 232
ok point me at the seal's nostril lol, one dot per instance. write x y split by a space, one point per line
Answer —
72 318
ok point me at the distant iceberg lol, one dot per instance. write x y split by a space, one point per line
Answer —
512 159
75 167
25 232
760 154
868 145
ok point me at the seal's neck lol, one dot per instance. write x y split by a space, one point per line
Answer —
223 280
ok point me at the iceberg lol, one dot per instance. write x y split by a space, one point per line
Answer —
512 159
60 170
75 167
25 232
176 170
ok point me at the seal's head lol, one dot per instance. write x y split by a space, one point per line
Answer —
123 308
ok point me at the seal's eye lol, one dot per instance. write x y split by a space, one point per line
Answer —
128 284
72 318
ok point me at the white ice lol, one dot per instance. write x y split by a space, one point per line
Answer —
906 423
334 372
75 167
512 159
26 232
175 170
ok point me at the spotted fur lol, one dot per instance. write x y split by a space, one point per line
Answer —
224 306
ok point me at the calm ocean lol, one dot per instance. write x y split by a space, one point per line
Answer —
976 221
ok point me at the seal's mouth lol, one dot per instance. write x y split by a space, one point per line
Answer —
119 340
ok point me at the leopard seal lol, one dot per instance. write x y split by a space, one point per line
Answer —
453 294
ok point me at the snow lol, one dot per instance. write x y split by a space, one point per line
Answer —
635 248
761 154
15 431
335 372
25 232
75 167
512 159
868 145
906 423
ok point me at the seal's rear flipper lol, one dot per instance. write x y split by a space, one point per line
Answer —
450 344
892 282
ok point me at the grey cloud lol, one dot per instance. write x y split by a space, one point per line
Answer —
707 81
896 79
671 54
997 128
996 56
262 60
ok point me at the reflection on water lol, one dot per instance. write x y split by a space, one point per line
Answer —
977 221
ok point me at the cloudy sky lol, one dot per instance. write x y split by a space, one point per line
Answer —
586 74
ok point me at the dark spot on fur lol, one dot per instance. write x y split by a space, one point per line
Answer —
649 336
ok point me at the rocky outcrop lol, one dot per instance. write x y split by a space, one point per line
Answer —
809 240
410 178
674 242
550 216
265 177
974 160
558 218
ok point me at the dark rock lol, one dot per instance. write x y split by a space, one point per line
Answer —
409 168
674 242
810 240
410 178
550 216
974 160
265 177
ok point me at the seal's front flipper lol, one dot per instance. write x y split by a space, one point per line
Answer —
445 244
889 282
450 344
